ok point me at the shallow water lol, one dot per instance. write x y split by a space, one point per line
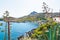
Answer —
17 29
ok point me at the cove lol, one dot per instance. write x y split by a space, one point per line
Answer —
17 29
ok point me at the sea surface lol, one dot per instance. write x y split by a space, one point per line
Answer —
16 29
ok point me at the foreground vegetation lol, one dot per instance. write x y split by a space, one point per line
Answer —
47 31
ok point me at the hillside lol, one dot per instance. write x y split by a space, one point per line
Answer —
33 16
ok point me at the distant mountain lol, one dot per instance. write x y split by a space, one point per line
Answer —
33 13
33 16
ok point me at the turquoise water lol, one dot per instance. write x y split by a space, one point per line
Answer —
17 29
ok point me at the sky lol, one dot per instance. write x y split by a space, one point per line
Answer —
20 8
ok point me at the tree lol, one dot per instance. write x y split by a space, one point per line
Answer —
6 14
6 18
46 9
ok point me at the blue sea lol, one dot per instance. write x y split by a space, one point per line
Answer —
16 29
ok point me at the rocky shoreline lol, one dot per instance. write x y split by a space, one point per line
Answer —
27 35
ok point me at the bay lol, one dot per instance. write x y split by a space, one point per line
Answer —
17 29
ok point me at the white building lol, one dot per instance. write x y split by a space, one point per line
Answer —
57 19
